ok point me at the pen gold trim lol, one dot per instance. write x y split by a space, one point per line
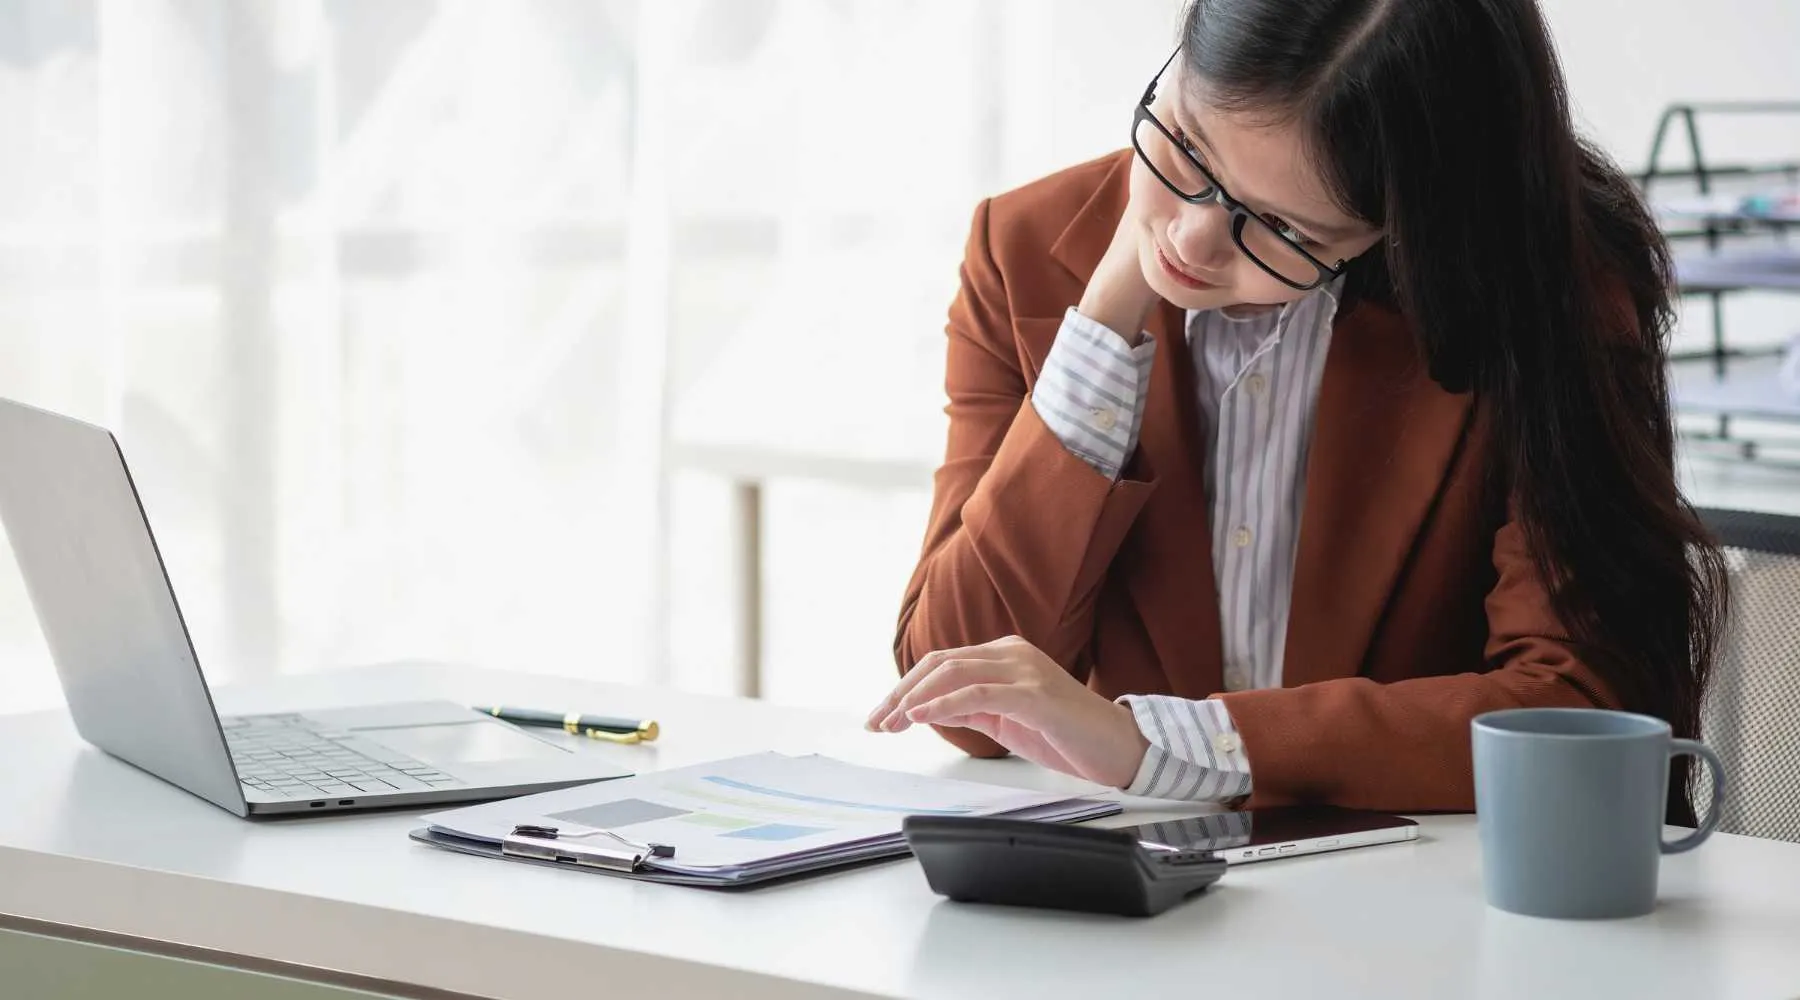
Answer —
646 733
572 723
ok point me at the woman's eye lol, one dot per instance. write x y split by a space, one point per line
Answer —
1288 232
1181 137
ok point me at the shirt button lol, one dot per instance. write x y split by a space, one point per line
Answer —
1227 743
1237 679
1106 419
1257 384
1241 537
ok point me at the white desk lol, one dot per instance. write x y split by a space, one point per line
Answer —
88 842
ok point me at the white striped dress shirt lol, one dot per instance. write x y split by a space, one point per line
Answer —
1257 377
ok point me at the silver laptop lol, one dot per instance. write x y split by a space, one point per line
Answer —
134 685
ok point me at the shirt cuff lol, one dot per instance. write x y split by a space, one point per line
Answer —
1091 391
1195 751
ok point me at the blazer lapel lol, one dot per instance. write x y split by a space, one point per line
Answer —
1383 439
1167 560
1171 560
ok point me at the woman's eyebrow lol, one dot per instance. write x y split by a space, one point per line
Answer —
1194 132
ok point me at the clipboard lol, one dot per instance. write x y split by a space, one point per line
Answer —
740 821
639 873
585 848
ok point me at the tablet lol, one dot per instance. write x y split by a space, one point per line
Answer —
1283 832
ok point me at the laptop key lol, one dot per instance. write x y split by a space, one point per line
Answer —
295 761
375 751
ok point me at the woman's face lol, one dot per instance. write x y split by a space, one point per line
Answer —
1186 251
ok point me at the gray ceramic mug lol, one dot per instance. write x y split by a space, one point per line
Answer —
1570 804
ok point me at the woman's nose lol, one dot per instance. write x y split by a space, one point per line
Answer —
1201 235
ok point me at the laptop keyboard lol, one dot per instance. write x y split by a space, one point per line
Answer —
283 755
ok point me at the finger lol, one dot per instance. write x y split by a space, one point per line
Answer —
949 676
981 722
921 670
970 699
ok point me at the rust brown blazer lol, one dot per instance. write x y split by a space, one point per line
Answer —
1415 603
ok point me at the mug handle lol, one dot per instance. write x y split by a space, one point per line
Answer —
1690 748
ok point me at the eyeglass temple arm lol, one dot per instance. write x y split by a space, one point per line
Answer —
1150 91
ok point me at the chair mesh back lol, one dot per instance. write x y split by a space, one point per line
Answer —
1751 716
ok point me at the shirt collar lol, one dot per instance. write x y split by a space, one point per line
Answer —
1333 289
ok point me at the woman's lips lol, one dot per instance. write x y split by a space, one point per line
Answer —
1182 277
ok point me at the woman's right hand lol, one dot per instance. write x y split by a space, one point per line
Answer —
1117 296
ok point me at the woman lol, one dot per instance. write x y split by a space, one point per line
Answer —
1328 416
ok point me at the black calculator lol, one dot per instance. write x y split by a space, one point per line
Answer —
1016 862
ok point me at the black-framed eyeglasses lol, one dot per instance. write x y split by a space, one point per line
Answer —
1173 162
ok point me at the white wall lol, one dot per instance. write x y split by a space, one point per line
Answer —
1627 59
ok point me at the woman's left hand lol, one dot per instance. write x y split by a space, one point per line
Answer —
1013 694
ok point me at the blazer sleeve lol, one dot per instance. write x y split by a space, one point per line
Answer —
1405 745
1021 530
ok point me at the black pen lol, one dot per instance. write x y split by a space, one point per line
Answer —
599 727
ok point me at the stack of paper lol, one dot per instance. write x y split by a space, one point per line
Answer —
742 820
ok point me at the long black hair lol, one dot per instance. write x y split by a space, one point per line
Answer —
1531 273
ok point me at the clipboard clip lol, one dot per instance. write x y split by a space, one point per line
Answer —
549 843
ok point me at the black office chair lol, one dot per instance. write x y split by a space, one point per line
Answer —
1751 716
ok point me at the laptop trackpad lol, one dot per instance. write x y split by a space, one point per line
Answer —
471 742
